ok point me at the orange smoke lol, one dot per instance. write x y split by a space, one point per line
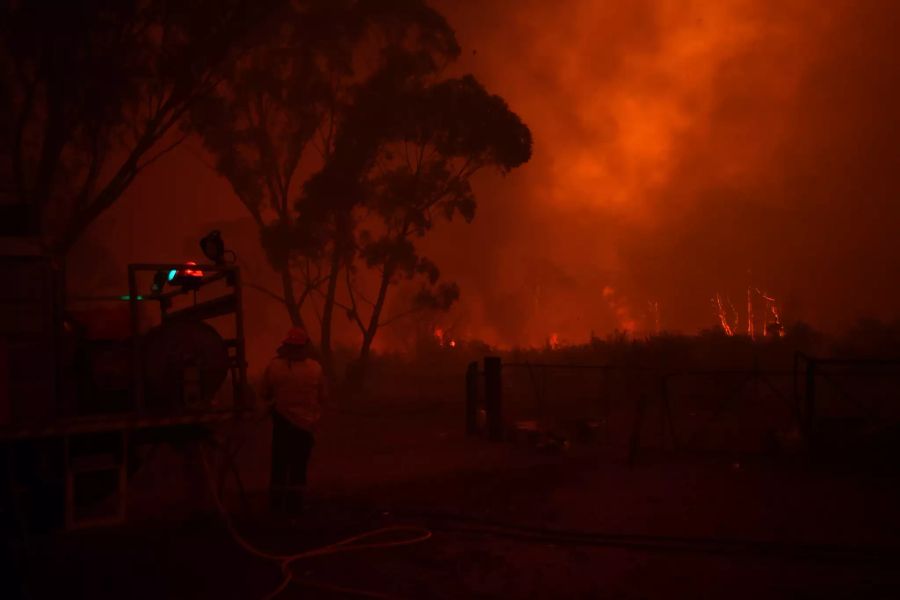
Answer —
678 146
624 320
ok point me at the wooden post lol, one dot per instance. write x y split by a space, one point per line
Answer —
796 384
137 369
472 398
122 510
634 442
667 410
755 381
810 395
69 501
493 388
6 407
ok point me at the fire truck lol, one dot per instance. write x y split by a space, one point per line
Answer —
84 382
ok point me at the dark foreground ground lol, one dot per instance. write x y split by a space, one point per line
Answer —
507 522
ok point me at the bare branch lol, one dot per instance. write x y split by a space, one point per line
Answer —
364 298
354 311
399 316
196 154
92 175
336 302
265 291
162 152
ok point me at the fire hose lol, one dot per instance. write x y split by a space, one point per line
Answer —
285 561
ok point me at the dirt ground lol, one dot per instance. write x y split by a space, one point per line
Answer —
507 521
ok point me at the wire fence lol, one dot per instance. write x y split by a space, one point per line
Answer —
735 411
847 402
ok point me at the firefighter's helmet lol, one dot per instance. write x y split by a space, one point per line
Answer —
296 336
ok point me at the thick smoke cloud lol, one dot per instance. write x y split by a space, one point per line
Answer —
683 149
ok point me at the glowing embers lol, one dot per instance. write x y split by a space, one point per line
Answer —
443 339
729 319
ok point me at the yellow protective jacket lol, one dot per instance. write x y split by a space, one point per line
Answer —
296 388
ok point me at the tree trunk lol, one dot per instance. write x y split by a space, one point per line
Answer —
290 301
328 311
342 241
362 361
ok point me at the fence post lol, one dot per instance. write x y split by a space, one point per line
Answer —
493 388
472 398
667 410
634 442
810 394
137 368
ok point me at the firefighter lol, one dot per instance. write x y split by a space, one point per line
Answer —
294 386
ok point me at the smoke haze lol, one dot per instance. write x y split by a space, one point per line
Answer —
684 149
681 149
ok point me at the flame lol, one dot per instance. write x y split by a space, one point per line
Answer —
750 331
773 312
723 316
771 315
453 343
777 320
554 341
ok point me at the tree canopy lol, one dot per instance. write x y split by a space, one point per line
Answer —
434 135
345 142
91 93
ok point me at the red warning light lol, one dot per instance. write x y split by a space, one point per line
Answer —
188 276
192 272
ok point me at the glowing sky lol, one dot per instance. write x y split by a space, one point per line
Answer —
682 149
685 148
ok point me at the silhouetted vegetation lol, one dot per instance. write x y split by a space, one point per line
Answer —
709 350
345 142
93 92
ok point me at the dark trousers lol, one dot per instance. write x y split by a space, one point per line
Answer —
291 447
